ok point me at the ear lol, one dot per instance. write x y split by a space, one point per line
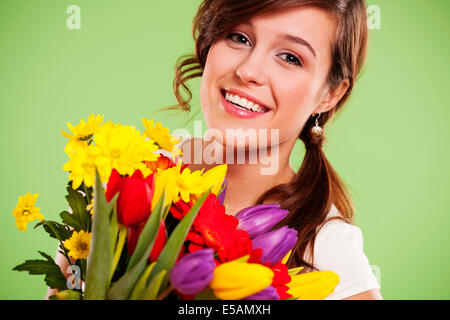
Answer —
331 98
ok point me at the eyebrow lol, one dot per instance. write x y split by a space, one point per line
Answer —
298 40
293 39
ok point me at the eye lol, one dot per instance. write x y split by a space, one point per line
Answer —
238 38
292 59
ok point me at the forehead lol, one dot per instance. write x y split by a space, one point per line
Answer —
315 25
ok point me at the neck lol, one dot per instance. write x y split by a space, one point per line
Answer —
248 179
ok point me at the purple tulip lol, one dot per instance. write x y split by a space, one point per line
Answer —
269 293
221 196
193 272
275 244
260 219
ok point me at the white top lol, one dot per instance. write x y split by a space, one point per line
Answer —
339 248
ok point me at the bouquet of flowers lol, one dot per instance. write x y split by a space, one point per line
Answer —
159 230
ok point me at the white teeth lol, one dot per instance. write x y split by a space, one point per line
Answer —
244 103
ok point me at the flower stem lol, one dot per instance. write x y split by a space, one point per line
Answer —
118 251
88 197
165 293
83 268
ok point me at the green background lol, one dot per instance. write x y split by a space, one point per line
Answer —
390 144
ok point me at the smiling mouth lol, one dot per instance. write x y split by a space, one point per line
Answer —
243 103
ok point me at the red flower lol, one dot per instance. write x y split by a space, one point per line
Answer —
280 279
213 228
135 196
180 208
162 162
160 241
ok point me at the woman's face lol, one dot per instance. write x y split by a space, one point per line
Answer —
278 61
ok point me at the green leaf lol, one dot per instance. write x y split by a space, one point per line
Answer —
70 220
122 289
140 285
294 271
53 275
100 256
171 250
80 218
117 254
206 294
154 286
55 230
114 228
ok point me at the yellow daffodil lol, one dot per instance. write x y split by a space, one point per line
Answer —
190 183
214 177
123 148
161 136
82 133
186 185
79 244
237 279
25 211
315 285
82 167
166 180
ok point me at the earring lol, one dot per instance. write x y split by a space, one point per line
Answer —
317 130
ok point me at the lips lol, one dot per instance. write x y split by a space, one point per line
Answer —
247 96
240 112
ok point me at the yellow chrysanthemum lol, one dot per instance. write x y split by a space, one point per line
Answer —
146 171
315 285
25 211
161 136
82 167
82 133
123 148
79 244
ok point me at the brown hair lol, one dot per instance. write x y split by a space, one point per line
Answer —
316 186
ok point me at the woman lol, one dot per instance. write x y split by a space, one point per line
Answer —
297 61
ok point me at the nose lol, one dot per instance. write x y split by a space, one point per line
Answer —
251 69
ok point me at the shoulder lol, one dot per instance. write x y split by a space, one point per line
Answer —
338 229
339 248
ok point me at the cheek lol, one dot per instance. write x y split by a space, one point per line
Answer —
296 102
219 70
215 68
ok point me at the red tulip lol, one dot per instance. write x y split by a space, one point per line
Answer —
160 241
135 196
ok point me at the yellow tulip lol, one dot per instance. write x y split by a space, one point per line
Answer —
235 280
313 285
